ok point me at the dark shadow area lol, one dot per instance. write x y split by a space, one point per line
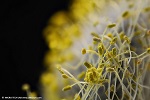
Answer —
22 46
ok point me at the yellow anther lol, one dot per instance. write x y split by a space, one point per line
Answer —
96 23
113 41
114 51
147 9
83 51
148 50
81 75
77 97
96 39
102 81
99 70
25 87
112 88
67 88
87 65
64 76
111 25
148 32
59 69
100 50
125 14
127 39
106 93
122 35
137 33
90 47
131 5
109 69
101 45
32 94
107 54
127 74
92 75
101 65
95 34
139 61
110 35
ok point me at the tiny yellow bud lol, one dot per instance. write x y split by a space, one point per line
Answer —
83 51
67 88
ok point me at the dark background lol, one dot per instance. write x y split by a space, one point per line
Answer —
22 46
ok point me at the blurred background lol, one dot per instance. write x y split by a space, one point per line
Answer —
22 46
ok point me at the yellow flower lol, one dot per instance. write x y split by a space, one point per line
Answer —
101 33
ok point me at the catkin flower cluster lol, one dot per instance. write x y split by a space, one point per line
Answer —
99 49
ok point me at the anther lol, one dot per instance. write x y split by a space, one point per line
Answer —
64 76
87 65
109 69
113 41
114 51
111 25
95 34
67 88
127 39
148 50
25 87
100 50
96 39
83 51
125 14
